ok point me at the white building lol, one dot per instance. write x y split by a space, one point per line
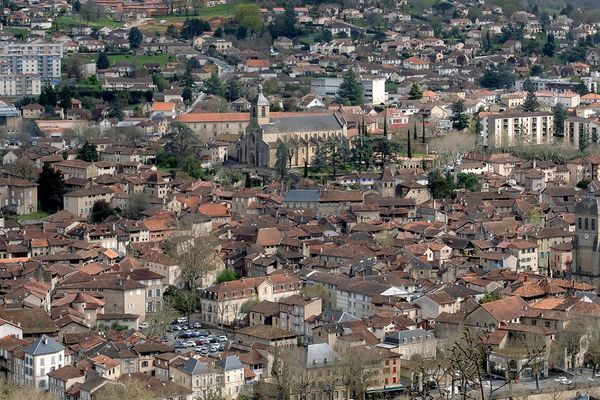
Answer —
42 356
10 329
41 59
373 88
511 128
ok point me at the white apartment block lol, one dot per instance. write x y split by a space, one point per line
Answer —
373 88
20 85
577 127
26 65
512 128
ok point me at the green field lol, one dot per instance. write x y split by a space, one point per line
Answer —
139 61
66 22
31 217
221 10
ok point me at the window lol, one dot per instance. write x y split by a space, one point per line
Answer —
585 224
593 224
579 223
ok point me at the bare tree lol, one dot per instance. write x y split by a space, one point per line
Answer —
23 168
358 369
197 258
452 146
10 391
159 320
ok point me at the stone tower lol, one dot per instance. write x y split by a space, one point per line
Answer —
586 260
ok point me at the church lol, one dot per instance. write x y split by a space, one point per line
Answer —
586 260
302 132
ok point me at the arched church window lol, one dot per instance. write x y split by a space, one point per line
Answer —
586 225
593 224
579 223
263 112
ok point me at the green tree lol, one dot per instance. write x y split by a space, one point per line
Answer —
385 151
172 31
319 161
584 141
115 110
284 25
501 77
101 210
248 16
232 88
408 145
181 141
194 27
102 62
351 90
440 185
528 85
51 188
468 181
135 37
489 297
271 87
48 95
459 118
88 152
415 93
281 163
581 89
531 103
188 95
227 275
560 115
213 85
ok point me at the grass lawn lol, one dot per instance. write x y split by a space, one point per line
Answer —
65 22
162 59
221 10
31 217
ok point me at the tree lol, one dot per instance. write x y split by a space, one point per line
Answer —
172 31
213 85
408 145
181 141
468 181
560 116
10 391
281 162
584 141
531 103
185 301
319 161
115 110
197 258
88 152
351 90
135 37
194 27
248 16
489 297
101 210
51 188
271 87
284 25
415 93
232 88
77 6
581 89
459 118
23 168
497 78
227 275
102 62
48 95
528 85
188 95
440 185
358 369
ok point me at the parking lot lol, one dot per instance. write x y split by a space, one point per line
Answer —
192 336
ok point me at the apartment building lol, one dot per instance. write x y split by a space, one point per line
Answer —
577 128
40 59
373 88
43 355
20 85
294 311
512 128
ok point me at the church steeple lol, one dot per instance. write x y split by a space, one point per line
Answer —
259 112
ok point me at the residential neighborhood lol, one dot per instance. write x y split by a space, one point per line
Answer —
223 200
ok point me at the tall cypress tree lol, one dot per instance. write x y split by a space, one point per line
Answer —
415 135
408 146
385 128
423 136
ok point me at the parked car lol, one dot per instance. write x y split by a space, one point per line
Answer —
190 343
144 325
182 320
197 325
222 338
214 347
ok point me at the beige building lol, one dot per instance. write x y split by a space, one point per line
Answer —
294 310
121 294
222 303
81 202
202 378
18 195
77 169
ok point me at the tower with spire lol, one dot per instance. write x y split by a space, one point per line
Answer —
259 111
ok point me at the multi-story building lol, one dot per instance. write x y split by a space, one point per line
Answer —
18 195
42 356
40 59
512 128
294 310
81 202
373 88
20 85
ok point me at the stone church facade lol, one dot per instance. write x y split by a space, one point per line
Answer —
303 133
